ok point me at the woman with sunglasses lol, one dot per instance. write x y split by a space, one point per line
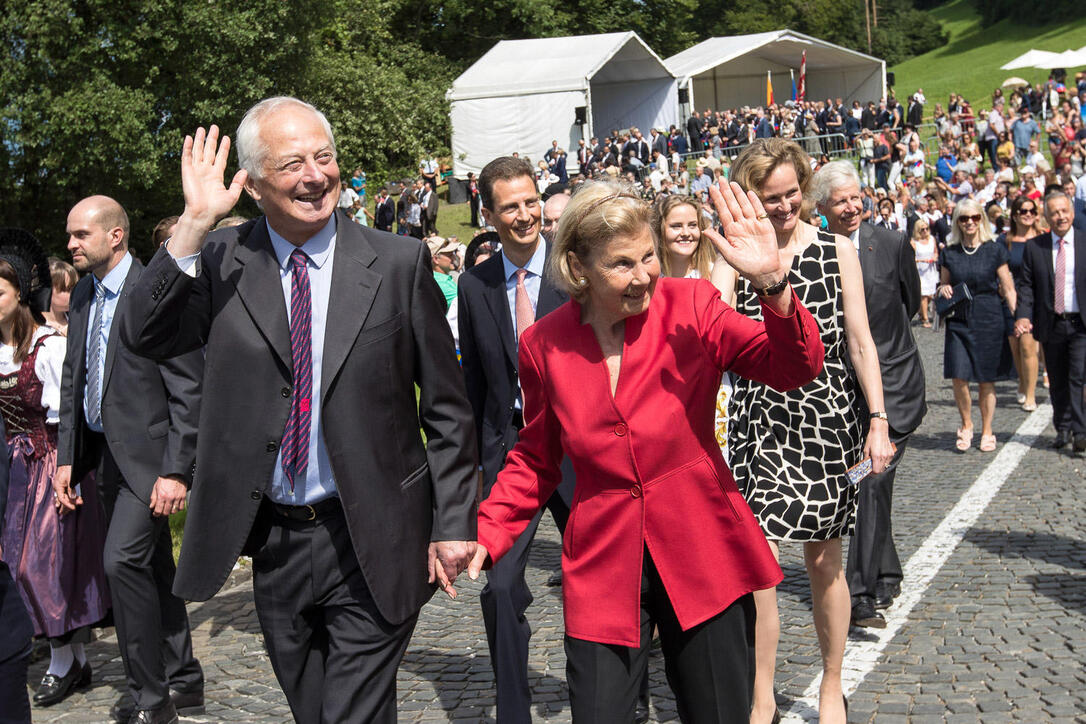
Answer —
1026 223
976 348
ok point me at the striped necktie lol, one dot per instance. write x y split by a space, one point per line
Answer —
295 445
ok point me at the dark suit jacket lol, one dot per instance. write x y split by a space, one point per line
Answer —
15 627
1036 298
149 410
488 354
386 214
386 333
892 291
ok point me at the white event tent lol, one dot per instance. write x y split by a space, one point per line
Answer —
1048 60
730 72
524 94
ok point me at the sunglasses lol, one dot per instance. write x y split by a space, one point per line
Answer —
975 218
1031 212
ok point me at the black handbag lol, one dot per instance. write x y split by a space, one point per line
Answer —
957 307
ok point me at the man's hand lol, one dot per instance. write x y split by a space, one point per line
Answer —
168 496
207 198
447 558
64 498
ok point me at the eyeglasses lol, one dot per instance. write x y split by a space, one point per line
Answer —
975 218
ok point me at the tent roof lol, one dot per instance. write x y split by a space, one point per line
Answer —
548 65
779 46
1034 58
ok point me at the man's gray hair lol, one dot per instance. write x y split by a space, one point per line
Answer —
831 177
252 149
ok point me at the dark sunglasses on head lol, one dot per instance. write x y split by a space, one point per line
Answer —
975 218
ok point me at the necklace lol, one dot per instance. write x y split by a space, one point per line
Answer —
969 251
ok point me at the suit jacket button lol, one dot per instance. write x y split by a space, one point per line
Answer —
635 491
620 429
272 446
256 495
285 392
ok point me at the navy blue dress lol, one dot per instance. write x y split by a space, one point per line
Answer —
977 350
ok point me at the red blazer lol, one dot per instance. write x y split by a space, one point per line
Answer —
649 471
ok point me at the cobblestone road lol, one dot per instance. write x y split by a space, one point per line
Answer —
999 634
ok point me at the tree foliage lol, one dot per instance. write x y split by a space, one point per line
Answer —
1035 13
98 94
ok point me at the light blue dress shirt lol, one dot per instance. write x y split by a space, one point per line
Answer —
319 482
532 281
113 282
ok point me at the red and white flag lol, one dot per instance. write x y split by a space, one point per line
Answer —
803 76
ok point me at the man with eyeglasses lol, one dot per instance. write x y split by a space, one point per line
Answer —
1052 305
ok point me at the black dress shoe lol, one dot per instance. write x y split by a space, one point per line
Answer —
1063 439
163 715
1078 448
54 689
885 594
187 703
121 712
865 615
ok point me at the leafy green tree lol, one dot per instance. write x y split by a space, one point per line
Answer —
98 94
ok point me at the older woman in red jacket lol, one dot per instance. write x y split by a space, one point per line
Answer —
623 380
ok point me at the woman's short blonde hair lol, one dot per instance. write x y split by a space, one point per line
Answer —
969 207
761 158
597 212
704 255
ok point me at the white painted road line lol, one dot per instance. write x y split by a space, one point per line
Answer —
861 657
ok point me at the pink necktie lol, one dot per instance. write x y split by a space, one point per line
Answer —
1061 274
525 313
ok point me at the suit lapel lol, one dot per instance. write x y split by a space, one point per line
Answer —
354 287
114 341
260 289
78 321
498 303
550 296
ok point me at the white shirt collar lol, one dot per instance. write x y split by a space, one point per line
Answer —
318 247
534 265
1069 236
114 279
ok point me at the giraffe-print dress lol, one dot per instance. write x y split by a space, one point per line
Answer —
789 450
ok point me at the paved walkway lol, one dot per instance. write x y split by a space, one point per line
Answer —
994 630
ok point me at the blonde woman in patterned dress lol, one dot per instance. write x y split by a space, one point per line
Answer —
790 450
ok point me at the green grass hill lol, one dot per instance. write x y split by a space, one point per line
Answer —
970 62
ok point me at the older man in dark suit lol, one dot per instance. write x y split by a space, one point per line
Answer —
1052 305
135 422
892 292
318 332
498 300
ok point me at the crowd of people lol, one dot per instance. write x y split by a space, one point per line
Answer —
687 371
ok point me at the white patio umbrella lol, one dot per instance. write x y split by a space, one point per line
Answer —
1015 81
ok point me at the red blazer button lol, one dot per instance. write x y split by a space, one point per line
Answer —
620 429
635 491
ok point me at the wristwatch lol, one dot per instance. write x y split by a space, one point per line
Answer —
773 289
880 416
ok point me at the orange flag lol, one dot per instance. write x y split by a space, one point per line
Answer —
768 88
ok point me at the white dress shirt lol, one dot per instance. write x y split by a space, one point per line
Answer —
1069 300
